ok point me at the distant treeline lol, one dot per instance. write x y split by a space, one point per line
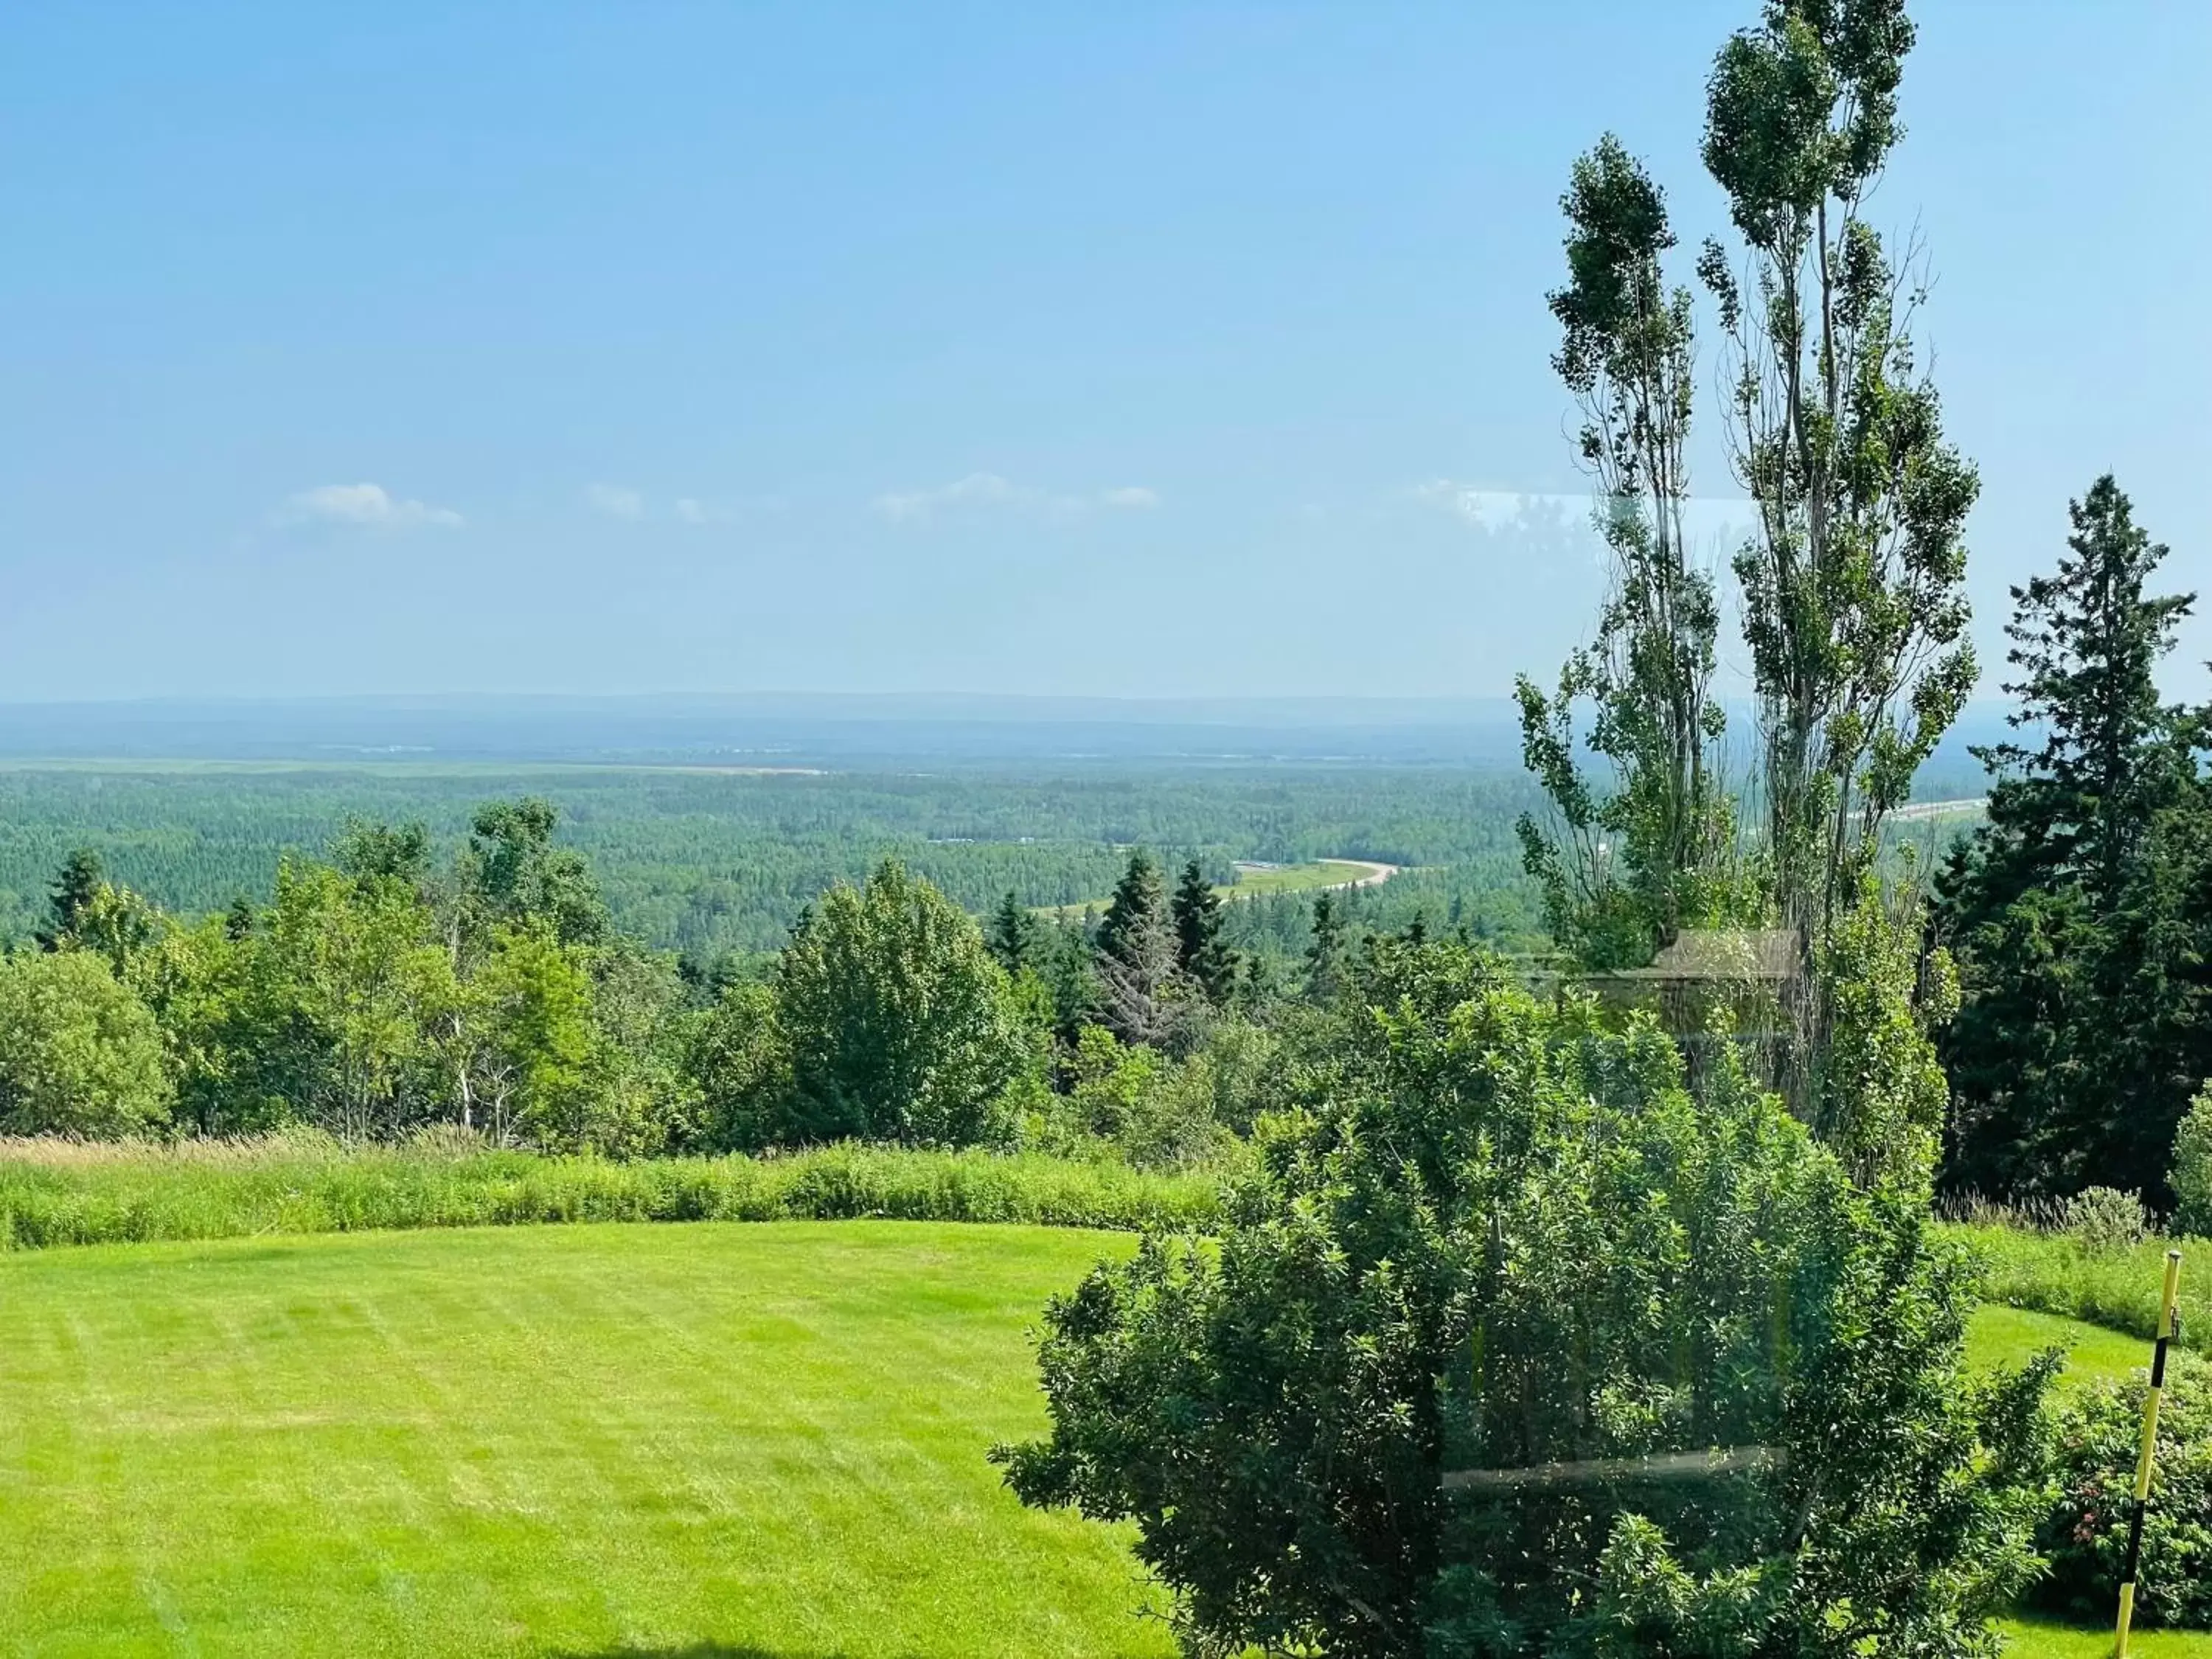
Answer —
712 863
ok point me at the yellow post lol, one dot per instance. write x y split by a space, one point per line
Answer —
2169 1326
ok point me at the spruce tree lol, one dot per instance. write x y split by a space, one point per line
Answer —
76 886
2078 910
2088 642
1140 893
1141 994
1013 935
1325 955
1072 973
1200 949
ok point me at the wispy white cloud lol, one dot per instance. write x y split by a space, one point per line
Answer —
364 504
1492 509
987 492
1721 518
616 500
635 507
977 490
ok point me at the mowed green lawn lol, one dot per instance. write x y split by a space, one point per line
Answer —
718 1441
2010 1334
758 1440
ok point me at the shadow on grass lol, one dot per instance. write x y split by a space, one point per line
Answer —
699 1650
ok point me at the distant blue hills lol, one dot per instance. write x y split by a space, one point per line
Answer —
834 731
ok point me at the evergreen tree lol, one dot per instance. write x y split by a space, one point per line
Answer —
1325 956
1013 935
1143 994
76 885
2088 642
2078 910
1200 951
1072 973
1140 894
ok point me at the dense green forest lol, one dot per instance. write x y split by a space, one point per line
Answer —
709 863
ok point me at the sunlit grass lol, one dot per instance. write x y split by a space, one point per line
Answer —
2051 1273
2043 1638
57 1192
763 1440
2010 1335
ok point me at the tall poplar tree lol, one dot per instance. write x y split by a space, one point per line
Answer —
1623 867
1854 573
1852 569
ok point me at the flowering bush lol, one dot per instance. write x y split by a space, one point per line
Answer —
2085 1536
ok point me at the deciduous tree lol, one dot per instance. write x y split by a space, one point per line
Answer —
1512 1242
898 1019
1624 865
80 1053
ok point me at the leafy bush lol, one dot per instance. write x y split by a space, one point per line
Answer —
899 1025
2085 1536
80 1053
1516 1239
1133 1103
2191 1174
2104 1218
742 1065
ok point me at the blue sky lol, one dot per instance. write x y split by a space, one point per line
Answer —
1131 350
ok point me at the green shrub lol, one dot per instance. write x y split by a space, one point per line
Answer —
2191 1174
1132 1103
898 1023
2086 1537
742 1065
80 1053
1516 1238
2104 1218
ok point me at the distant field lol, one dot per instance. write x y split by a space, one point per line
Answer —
1265 881
1254 880
761 1441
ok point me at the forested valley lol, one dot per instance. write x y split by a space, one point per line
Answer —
708 863
1708 1193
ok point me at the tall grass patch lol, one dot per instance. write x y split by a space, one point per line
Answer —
2109 1283
54 1191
